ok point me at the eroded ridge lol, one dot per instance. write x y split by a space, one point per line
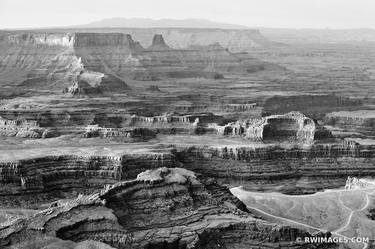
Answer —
293 125
187 212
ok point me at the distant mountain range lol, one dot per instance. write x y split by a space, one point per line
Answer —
244 35
120 22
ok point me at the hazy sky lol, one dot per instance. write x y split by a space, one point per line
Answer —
253 13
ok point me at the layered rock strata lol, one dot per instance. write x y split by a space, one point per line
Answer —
53 61
239 107
73 120
292 170
104 132
23 128
292 126
158 44
235 40
362 121
357 183
81 88
258 167
164 208
94 83
44 178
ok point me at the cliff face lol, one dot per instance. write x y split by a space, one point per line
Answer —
186 213
22 39
158 43
362 121
51 176
91 83
125 41
54 60
292 126
22 128
81 88
77 120
263 167
233 39
274 168
355 183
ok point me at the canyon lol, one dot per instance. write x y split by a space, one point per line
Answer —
184 208
183 138
105 60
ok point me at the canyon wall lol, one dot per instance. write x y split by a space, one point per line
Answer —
292 126
320 165
362 121
292 170
236 40
77 120
23 128
43 178
54 60
187 212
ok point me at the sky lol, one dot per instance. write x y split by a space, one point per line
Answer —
333 14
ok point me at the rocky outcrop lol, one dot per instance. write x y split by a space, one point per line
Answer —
82 88
179 38
362 121
93 83
356 183
74 119
164 208
290 126
239 107
22 128
110 58
168 118
158 44
85 40
21 39
172 123
104 132
234 40
289 169
45 178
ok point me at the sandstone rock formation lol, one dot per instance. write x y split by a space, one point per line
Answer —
105 132
233 39
221 114
82 88
356 183
63 119
296 170
293 125
107 59
362 121
26 182
92 83
22 128
158 44
43 178
186 213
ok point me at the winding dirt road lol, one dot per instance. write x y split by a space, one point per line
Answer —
337 232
